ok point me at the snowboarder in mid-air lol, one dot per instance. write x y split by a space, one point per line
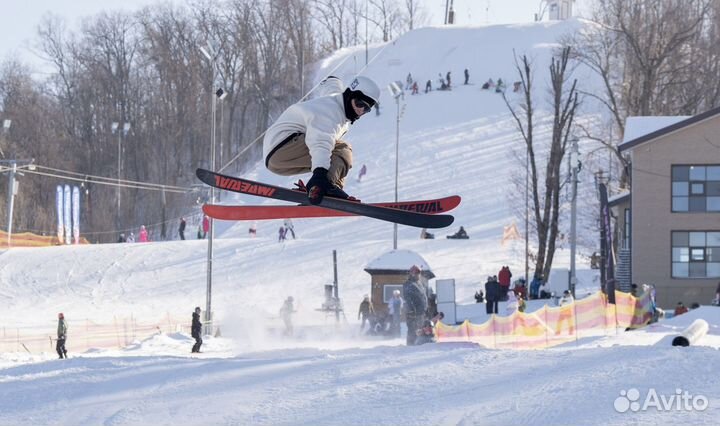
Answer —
308 136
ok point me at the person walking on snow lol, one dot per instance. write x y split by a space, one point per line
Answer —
308 136
196 331
61 336
289 227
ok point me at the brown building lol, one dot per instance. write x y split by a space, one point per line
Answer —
670 223
388 273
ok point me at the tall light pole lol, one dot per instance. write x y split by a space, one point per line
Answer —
211 232
575 163
221 95
527 216
396 93
120 132
366 32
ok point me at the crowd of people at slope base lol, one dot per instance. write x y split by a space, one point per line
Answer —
421 314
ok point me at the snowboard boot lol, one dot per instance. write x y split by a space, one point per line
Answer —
334 192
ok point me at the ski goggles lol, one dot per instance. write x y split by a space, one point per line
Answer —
366 107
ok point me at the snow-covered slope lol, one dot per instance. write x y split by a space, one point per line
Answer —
463 142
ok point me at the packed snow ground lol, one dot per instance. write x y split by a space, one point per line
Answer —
462 142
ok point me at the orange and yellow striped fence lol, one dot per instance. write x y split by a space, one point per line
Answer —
552 326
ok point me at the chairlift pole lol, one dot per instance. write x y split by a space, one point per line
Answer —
335 288
573 214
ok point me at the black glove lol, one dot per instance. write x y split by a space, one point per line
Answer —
318 185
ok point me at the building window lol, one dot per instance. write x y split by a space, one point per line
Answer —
696 189
695 254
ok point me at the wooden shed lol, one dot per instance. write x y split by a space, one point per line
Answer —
388 273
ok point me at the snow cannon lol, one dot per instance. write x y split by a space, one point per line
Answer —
692 334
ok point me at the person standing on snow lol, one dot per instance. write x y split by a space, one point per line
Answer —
196 331
181 228
61 336
416 303
566 315
366 312
308 136
205 225
394 311
566 299
286 314
492 295
143 234
504 277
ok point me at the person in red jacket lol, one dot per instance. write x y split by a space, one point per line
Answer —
680 309
504 279
205 225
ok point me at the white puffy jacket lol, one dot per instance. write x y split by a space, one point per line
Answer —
321 119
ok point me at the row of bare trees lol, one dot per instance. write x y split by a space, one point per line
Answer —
146 68
652 57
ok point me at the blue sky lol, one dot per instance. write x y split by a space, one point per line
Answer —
16 34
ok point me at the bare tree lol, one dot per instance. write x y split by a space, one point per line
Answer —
386 16
332 16
415 16
653 57
546 202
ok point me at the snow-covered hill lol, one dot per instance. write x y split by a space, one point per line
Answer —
462 141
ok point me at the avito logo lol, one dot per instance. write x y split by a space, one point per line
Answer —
679 401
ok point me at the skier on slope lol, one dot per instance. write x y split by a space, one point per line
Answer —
308 136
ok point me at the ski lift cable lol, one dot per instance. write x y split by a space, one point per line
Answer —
108 180
137 185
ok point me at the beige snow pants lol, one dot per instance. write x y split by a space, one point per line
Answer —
293 158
